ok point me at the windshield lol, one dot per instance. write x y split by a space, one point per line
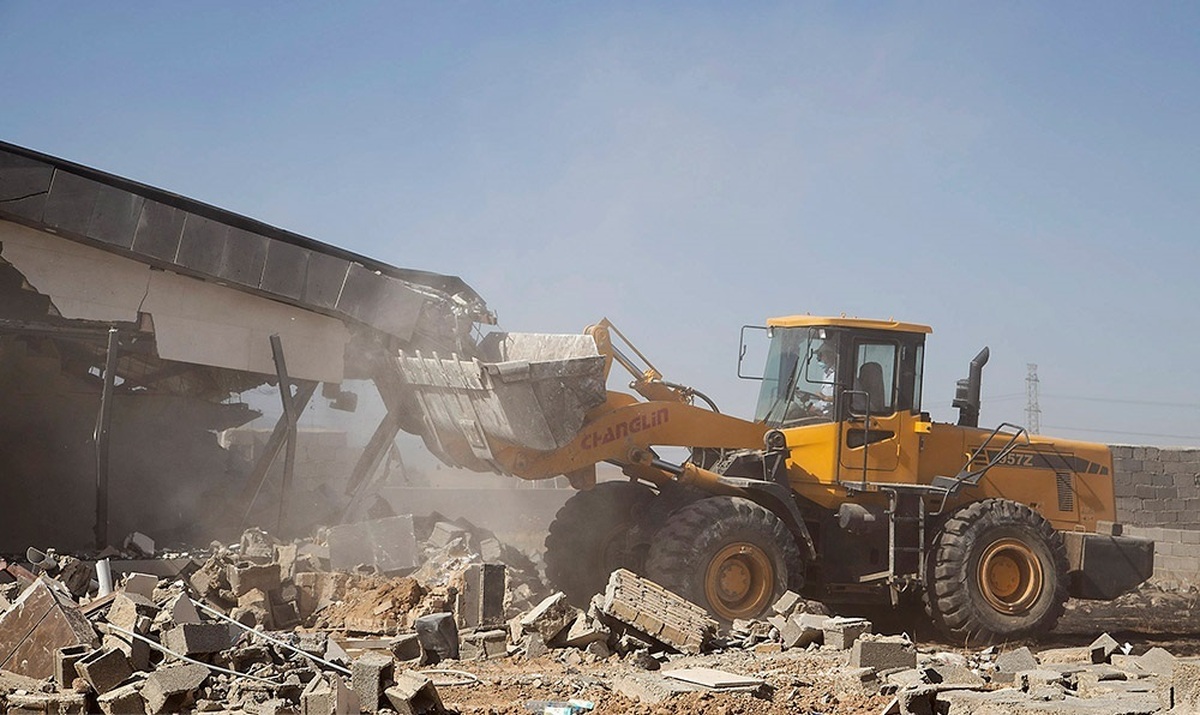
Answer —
800 378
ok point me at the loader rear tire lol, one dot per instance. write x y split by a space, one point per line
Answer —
586 541
727 554
997 572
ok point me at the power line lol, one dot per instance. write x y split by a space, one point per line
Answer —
1156 403
1137 434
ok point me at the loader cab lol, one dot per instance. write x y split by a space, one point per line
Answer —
859 380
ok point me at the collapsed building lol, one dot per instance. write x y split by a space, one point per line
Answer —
131 318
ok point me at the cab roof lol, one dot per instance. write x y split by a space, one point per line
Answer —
816 321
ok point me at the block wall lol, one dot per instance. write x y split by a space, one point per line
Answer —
1158 497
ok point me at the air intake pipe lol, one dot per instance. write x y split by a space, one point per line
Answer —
966 394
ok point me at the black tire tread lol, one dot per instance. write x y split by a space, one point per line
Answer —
948 598
697 527
572 536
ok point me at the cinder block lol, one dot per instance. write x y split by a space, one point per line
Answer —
481 602
322 697
840 633
372 672
1015 661
1102 648
802 629
413 694
438 635
882 652
407 647
193 638
245 577
657 612
104 669
64 664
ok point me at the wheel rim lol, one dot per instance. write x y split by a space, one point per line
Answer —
1010 576
739 581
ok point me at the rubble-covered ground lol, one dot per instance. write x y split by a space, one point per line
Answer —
417 615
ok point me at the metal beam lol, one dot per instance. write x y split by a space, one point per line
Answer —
100 436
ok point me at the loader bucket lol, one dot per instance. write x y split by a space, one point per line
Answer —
531 390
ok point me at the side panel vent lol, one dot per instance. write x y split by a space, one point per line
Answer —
1065 482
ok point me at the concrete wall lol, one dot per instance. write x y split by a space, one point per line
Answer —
1158 497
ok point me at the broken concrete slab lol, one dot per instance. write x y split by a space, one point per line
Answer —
802 629
660 614
714 679
171 687
387 544
413 694
41 621
1014 661
141 584
484 645
553 614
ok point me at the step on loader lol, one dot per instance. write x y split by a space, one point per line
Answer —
841 487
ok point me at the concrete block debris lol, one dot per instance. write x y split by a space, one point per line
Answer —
197 638
549 617
438 634
372 673
656 612
714 679
481 600
414 694
170 688
840 633
140 544
388 544
104 669
1102 649
882 652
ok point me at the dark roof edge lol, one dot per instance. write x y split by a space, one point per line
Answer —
450 285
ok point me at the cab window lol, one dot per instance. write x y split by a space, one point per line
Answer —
875 375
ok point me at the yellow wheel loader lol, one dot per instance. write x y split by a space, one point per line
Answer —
841 487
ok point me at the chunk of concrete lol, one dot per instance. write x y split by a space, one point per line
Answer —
786 604
484 645
583 631
372 673
438 634
549 617
140 543
882 652
1185 684
407 646
125 700
481 601
141 584
328 697
802 629
387 544
246 576
656 612
197 638
1158 661
1014 661
104 669
840 633
413 694
171 687
1102 649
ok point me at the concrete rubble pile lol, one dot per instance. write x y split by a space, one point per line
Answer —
269 627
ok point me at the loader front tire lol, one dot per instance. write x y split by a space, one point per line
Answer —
997 572
727 554
586 541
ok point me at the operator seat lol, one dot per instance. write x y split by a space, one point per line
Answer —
870 381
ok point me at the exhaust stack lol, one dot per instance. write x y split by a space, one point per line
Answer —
966 397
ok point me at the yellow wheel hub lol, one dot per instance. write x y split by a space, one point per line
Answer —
739 581
1010 576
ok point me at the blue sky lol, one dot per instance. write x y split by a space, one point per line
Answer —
1021 175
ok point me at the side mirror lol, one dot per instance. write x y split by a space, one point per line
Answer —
742 349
